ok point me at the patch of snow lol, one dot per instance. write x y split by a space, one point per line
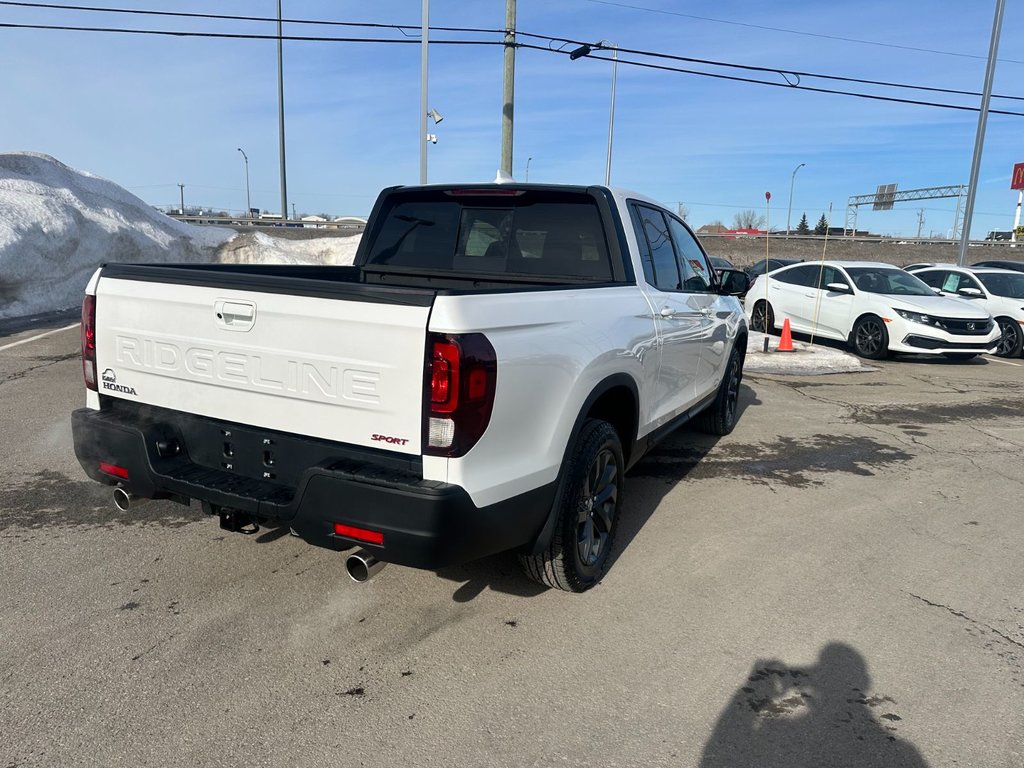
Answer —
58 224
805 359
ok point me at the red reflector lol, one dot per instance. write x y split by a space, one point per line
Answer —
359 534
113 469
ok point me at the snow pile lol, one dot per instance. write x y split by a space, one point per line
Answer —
261 248
58 224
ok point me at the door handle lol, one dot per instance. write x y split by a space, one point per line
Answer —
235 315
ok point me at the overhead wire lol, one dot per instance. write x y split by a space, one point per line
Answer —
803 33
551 39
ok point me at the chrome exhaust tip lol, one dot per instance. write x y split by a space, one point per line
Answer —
124 500
362 566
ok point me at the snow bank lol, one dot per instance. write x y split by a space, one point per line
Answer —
58 224
805 359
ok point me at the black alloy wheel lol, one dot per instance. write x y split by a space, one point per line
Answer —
762 319
597 508
1012 338
870 338
720 417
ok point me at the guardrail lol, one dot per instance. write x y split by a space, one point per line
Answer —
242 221
858 239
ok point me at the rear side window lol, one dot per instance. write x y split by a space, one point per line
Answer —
531 232
806 276
654 230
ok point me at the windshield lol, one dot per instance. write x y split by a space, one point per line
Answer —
1003 285
888 280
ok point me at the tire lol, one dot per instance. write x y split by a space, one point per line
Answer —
961 357
757 317
1012 340
869 339
720 417
587 508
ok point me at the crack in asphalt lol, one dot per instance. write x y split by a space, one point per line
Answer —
965 617
46 364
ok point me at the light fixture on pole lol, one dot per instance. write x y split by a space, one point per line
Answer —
792 180
248 200
586 50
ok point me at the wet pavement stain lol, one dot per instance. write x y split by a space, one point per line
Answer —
788 460
48 499
904 415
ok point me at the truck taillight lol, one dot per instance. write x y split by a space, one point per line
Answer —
89 342
461 375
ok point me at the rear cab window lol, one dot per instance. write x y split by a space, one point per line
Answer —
492 231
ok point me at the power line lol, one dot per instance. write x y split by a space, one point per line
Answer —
776 70
229 17
791 86
243 36
785 73
798 32
646 65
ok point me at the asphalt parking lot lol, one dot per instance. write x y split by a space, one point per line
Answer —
838 582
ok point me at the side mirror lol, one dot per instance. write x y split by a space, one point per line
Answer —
938 291
838 288
733 282
970 293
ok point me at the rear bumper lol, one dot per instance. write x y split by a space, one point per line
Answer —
425 523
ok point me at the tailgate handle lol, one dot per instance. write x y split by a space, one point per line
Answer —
235 315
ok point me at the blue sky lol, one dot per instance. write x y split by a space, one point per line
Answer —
150 112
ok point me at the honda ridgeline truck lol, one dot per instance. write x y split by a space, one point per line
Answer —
478 381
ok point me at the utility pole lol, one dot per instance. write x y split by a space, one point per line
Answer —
508 87
295 216
979 139
920 222
182 209
424 43
280 110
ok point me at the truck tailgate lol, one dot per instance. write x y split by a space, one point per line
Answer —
335 368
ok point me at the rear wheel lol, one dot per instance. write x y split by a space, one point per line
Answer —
762 319
869 338
587 510
1012 338
720 418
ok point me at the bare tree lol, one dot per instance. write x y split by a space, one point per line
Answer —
683 211
747 220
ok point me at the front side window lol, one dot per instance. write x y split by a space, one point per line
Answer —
692 263
1002 284
888 281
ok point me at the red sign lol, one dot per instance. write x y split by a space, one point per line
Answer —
1017 182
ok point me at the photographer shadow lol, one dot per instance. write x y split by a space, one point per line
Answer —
824 715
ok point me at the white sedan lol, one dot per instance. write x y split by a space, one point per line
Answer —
999 291
875 308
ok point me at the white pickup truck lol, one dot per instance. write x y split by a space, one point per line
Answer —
478 381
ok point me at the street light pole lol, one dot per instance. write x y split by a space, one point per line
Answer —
248 200
586 50
792 180
611 117
979 139
280 110
182 188
528 168
424 42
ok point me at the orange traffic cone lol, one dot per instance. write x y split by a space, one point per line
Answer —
786 342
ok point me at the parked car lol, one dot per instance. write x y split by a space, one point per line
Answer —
760 267
479 380
719 263
875 308
923 264
1016 266
999 291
